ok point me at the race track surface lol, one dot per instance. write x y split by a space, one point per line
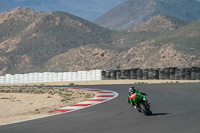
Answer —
175 107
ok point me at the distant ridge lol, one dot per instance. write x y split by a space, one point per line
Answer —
134 12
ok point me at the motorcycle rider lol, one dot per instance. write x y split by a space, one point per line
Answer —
133 90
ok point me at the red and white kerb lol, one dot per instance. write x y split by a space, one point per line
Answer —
103 95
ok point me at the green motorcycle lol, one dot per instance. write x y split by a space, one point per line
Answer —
139 102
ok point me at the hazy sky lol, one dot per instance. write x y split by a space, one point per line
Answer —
87 9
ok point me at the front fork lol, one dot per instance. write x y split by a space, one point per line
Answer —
146 103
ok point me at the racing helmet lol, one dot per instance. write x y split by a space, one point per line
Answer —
131 88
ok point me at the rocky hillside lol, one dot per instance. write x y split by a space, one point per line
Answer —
159 42
90 58
33 41
134 12
29 38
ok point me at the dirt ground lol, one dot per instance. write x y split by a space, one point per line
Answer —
18 104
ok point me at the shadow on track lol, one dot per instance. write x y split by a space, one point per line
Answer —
157 114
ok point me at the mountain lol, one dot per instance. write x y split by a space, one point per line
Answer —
185 39
161 41
134 12
32 41
87 9
28 38
151 28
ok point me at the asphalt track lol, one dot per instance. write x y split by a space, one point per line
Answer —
175 107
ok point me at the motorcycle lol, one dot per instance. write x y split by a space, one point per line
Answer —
141 103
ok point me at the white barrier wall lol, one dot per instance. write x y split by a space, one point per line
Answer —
51 77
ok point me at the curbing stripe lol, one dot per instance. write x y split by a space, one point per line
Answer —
105 92
81 105
105 96
102 96
97 99
63 110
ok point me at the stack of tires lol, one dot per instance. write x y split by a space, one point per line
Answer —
167 75
177 74
123 74
134 73
162 74
193 73
145 74
188 73
113 74
118 75
170 73
198 73
108 75
155 73
150 74
182 73
139 74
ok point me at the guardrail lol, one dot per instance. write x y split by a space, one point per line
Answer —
170 73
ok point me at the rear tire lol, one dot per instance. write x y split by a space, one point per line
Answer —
144 109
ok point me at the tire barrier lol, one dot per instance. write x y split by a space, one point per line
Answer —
150 74
139 74
118 75
123 74
182 73
155 73
172 73
145 74
198 73
193 73
128 74
167 77
103 75
169 73
53 77
134 73
162 74
187 73
108 75
177 74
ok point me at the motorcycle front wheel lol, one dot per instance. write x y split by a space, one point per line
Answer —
144 109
